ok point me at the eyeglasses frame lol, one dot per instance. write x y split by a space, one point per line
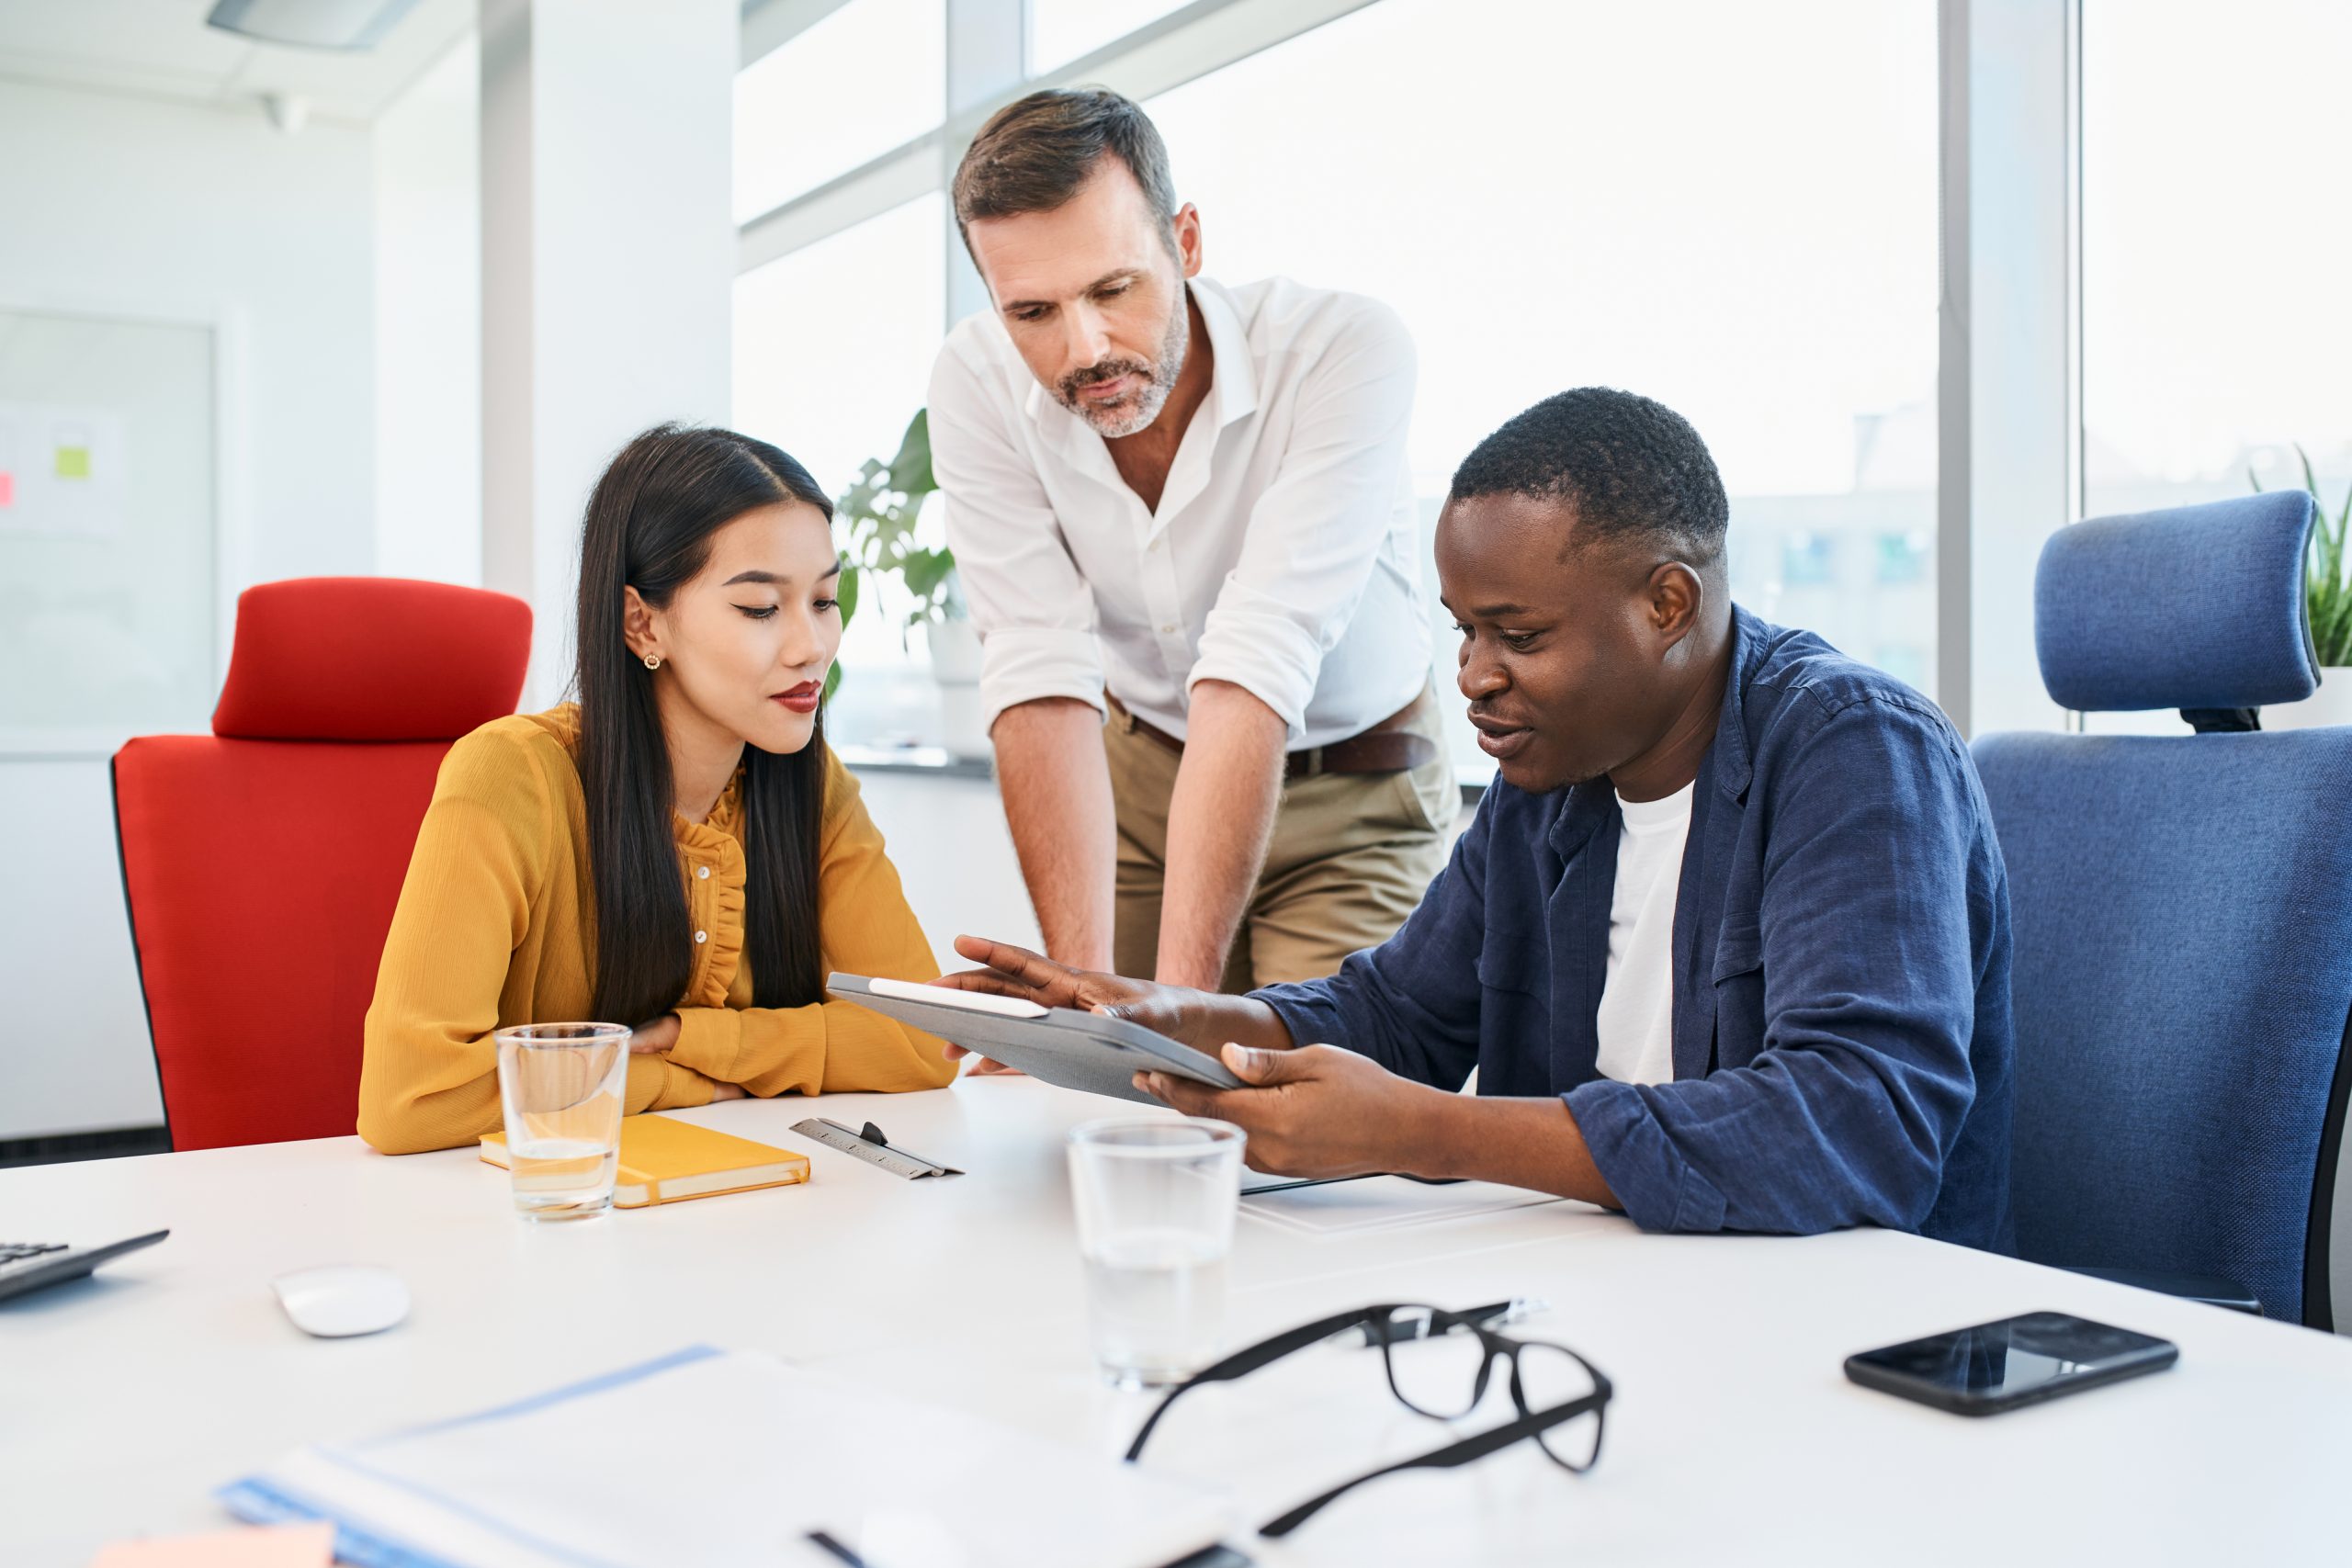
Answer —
1374 1320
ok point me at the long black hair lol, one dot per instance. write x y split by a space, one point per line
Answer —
649 527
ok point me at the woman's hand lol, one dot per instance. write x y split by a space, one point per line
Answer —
662 1033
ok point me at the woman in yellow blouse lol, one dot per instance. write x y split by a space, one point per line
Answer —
680 851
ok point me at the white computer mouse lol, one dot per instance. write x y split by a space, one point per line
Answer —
342 1299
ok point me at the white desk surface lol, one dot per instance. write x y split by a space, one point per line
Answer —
1735 1437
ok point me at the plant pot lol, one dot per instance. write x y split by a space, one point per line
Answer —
956 652
2331 704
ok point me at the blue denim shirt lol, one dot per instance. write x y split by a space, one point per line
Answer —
1841 968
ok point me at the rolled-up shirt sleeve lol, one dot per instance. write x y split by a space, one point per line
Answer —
1029 603
1316 532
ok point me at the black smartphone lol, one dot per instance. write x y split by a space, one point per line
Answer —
2018 1360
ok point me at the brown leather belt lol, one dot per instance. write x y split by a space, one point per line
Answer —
1386 748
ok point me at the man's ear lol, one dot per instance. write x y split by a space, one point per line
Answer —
637 625
1676 597
1186 226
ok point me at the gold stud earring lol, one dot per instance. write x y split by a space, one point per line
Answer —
654 662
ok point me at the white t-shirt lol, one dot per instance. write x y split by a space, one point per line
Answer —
1636 1020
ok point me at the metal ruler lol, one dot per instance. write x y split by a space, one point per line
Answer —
868 1144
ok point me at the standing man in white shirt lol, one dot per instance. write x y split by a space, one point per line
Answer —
1185 508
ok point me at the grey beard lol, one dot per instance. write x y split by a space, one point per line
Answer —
1111 426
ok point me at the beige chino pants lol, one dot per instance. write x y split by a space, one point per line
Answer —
1350 857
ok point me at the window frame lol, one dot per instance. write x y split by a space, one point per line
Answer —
2010 426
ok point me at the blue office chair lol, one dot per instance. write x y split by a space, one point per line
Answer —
2182 908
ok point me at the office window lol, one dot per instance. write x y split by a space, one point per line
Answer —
871 75
1063 30
1728 206
2216 322
833 347
1808 559
1904 559
1906 661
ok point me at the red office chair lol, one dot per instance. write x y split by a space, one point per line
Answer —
261 862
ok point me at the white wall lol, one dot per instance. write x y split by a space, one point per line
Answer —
127 203
954 858
608 265
428 324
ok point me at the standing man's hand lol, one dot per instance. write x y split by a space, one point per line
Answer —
1316 1111
1032 977
1202 1019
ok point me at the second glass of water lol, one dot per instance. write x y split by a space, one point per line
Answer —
562 1086
1156 1198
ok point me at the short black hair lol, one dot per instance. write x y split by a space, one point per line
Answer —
1630 467
1035 153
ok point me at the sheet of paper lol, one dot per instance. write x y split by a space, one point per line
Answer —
1384 1204
275 1546
571 1477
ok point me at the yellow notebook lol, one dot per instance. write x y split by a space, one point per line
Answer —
664 1160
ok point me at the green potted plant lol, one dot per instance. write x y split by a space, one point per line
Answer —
877 517
2327 590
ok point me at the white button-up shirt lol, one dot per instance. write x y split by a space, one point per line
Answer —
1284 554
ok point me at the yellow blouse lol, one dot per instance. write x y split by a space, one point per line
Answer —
493 929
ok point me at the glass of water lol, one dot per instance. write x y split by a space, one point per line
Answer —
1156 1198
562 1085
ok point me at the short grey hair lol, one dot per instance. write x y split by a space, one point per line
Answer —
1035 153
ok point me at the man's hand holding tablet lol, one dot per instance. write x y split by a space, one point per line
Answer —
1317 1112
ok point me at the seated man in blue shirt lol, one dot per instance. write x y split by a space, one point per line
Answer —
1728 942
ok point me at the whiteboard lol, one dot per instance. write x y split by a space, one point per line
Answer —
108 531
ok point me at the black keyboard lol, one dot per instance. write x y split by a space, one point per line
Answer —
30 1265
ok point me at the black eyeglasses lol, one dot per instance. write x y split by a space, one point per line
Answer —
1441 1364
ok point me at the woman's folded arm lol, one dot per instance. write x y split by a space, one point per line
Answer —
865 927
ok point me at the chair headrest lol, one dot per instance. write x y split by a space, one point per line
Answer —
2192 607
371 659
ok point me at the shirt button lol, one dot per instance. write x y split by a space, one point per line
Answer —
702 936
1169 628
703 872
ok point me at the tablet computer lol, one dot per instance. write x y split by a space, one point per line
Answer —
1072 1049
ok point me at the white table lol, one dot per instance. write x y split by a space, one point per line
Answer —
1734 1437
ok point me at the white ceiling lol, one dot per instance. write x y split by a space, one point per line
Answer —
162 48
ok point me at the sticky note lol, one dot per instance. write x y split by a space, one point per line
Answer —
7 488
73 462
275 1546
